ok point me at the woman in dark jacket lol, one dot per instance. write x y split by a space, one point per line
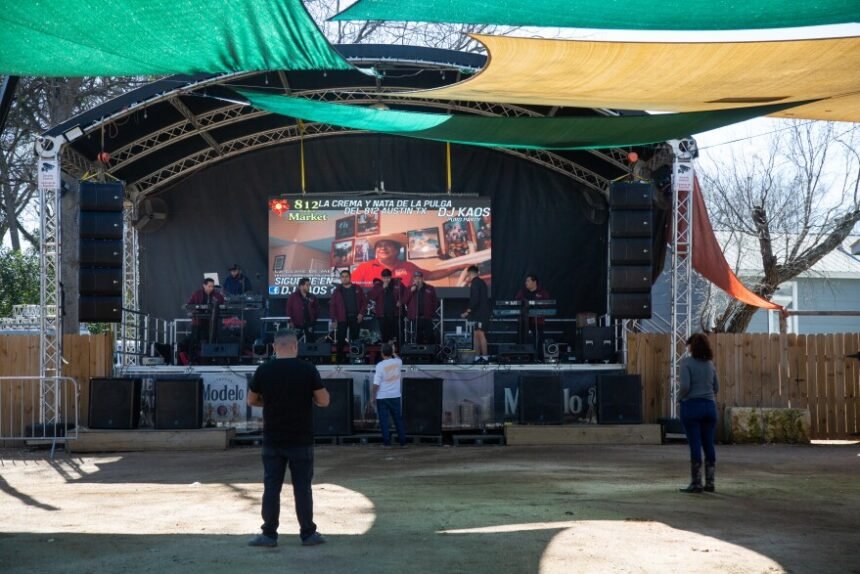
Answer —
699 386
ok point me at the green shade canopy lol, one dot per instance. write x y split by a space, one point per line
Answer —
613 14
142 37
559 133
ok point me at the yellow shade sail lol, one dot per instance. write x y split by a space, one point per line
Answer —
674 77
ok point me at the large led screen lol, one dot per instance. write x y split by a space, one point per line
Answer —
319 236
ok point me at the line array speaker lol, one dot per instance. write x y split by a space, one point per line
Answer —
631 244
100 253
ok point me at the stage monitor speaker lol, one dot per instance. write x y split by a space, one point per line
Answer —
630 223
100 253
619 399
336 418
625 195
630 251
96 196
101 225
100 309
515 353
114 403
595 344
411 353
315 349
541 400
630 305
100 281
422 406
630 279
179 403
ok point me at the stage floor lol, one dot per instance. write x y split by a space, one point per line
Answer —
155 370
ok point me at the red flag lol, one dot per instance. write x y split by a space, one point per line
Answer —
709 260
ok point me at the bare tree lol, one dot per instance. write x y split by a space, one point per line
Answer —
799 197
39 104
449 36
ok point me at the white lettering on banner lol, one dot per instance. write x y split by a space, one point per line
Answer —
225 400
511 399
684 175
572 404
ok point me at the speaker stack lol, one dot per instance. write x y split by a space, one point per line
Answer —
336 418
114 403
179 403
631 230
100 255
541 400
619 399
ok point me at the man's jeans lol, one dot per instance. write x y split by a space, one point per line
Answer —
390 406
301 462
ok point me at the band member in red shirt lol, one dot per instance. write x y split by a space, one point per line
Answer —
346 309
303 310
421 305
531 292
388 298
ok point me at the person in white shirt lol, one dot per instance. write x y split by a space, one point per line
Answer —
386 395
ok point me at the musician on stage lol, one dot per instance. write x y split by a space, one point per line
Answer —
203 327
237 283
388 298
531 292
303 310
421 305
479 312
346 309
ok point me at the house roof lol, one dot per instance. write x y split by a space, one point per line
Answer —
742 253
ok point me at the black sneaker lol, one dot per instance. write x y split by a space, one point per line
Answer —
264 541
313 540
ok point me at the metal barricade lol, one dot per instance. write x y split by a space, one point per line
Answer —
21 415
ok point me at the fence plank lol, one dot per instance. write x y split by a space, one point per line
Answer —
838 400
852 383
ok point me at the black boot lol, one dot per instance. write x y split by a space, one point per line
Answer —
695 478
709 476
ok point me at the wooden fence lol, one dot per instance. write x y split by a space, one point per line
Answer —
86 355
799 371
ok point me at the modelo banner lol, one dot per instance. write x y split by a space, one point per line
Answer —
225 396
321 235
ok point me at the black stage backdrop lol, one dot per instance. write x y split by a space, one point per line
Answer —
219 216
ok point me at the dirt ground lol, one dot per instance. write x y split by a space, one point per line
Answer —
438 509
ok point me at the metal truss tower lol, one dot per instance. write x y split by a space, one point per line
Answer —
682 261
131 335
51 320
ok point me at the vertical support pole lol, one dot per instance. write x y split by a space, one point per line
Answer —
682 262
130 337
51 321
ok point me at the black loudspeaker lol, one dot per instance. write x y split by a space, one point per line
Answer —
336 418
619 399
101 225
422 406
630 279
97 196
114 403
630 195
631 223
100 253
541 400
630 251
412 354
100 281
630 305
515 353
595 344
179 403
100 309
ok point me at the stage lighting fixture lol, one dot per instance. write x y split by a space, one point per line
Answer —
448 352
356 353
550 351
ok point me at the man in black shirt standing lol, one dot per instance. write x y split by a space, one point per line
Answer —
287 388
479 312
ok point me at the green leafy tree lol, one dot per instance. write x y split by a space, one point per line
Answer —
19 279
